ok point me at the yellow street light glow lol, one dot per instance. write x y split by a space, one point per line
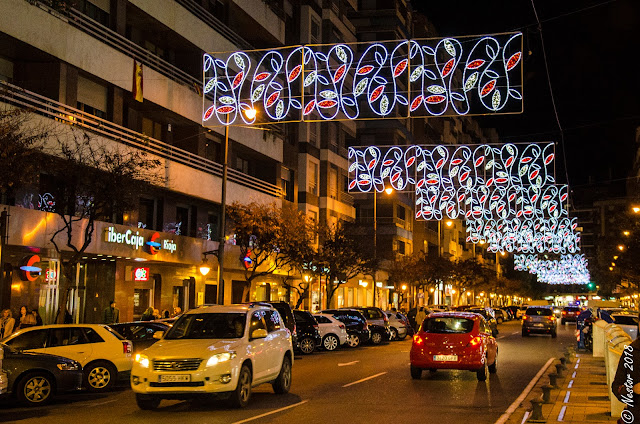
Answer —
388 190
449 223
503 253
626 233
453 291
610 268
635 209
482 242
613 264
468 293
404 287
250 113
431 289
620 247
204 267
615 258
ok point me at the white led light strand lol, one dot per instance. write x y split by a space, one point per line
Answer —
392 79
570 269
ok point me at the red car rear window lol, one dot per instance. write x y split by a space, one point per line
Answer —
447 325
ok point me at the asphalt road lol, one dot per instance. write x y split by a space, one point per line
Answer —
363 385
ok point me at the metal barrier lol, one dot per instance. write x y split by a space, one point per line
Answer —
598 338
614 341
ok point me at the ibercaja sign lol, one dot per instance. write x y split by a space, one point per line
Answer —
137 241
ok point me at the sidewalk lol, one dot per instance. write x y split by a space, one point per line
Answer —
582 395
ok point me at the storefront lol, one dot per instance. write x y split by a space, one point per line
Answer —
137 268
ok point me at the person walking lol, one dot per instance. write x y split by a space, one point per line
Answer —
177 311
111 314
420 316
7 322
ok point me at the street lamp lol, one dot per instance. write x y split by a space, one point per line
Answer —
620 247
387 190
626 233
636 209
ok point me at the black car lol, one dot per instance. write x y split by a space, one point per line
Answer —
307 332
355 323
140 332
377 321
286 313
34 378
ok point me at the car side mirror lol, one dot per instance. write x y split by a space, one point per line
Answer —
259 333
158 335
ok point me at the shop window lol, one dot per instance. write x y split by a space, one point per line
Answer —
312 178
98 10
401 247
92 97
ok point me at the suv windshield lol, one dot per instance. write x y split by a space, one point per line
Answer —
541 312
208 326
447 325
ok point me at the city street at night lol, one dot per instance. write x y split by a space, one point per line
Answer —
366 384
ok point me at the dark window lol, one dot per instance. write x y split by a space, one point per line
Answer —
182 219
301 316
208 326
66 337
625 319
272 318
540 312
35 339
92 335
401 247
447 325
92 11
146 214
401 212
257 322
373 314
322 320
115 334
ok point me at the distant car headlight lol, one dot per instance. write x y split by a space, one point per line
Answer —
143 360
66 366
220 357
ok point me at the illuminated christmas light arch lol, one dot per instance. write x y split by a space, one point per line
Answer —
569 269
388 79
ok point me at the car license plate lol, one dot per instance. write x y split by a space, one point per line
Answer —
445 358
538 325
175 378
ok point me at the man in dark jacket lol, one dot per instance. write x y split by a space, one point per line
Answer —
111 315
626 383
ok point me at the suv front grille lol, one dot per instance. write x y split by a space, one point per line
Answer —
177 365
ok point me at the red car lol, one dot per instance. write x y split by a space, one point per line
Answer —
455 341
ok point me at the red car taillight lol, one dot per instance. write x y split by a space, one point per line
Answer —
524 317
475 341
564 312
551 318
417 340
341 326
127 347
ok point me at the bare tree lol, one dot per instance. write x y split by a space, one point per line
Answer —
94 182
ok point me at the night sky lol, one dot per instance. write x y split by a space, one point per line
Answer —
591 48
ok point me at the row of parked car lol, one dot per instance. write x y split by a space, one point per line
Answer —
40 361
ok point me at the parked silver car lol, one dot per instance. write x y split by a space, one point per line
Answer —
398 325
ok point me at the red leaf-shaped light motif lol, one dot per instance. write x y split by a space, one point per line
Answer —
488 88
563 197
421 183
546 197
418 214
411 160
526 159
534 174
500 209
489 182
225 109
363 182
365 70
395 177
372 163
352 184
513 61
272 98
450 208
376 93
339 73
483 198
475 64
294 73
552 208
433 198
309 107
448 67
325 104
262 76
464 176
435 99
440 163
509 161
534 198
461 198
501 180
479 161
416 103
549 159
432 181
456 162
387 162
237 79
400 67
208 113
512 196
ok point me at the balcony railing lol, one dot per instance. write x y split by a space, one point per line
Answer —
44 106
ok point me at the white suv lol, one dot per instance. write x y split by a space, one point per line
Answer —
104 354
222 350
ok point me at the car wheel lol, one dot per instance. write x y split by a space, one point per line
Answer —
35 389
353 340
282 384
482 372
394 333
416 373
525 333
493 368
403 337
330 342
147 402
241 395
99 376
307 345
376 338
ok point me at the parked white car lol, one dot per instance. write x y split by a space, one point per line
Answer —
628 322
397 326
3 376
332 331
104 354
215 349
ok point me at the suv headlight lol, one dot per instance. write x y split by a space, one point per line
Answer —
143 360
220 357
66 366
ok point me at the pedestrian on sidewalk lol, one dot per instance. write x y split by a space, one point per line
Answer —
626 383
420 316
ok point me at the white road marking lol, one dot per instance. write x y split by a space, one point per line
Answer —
570 384
275 411
504 417
514 333
365 379
566 397
524 419
574 374
561 414
101 403
345 364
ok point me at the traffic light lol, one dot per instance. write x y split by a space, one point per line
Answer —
591 285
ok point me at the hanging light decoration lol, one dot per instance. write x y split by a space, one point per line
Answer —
569 269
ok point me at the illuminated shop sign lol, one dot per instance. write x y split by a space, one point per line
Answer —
28 270
134 239
141 274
